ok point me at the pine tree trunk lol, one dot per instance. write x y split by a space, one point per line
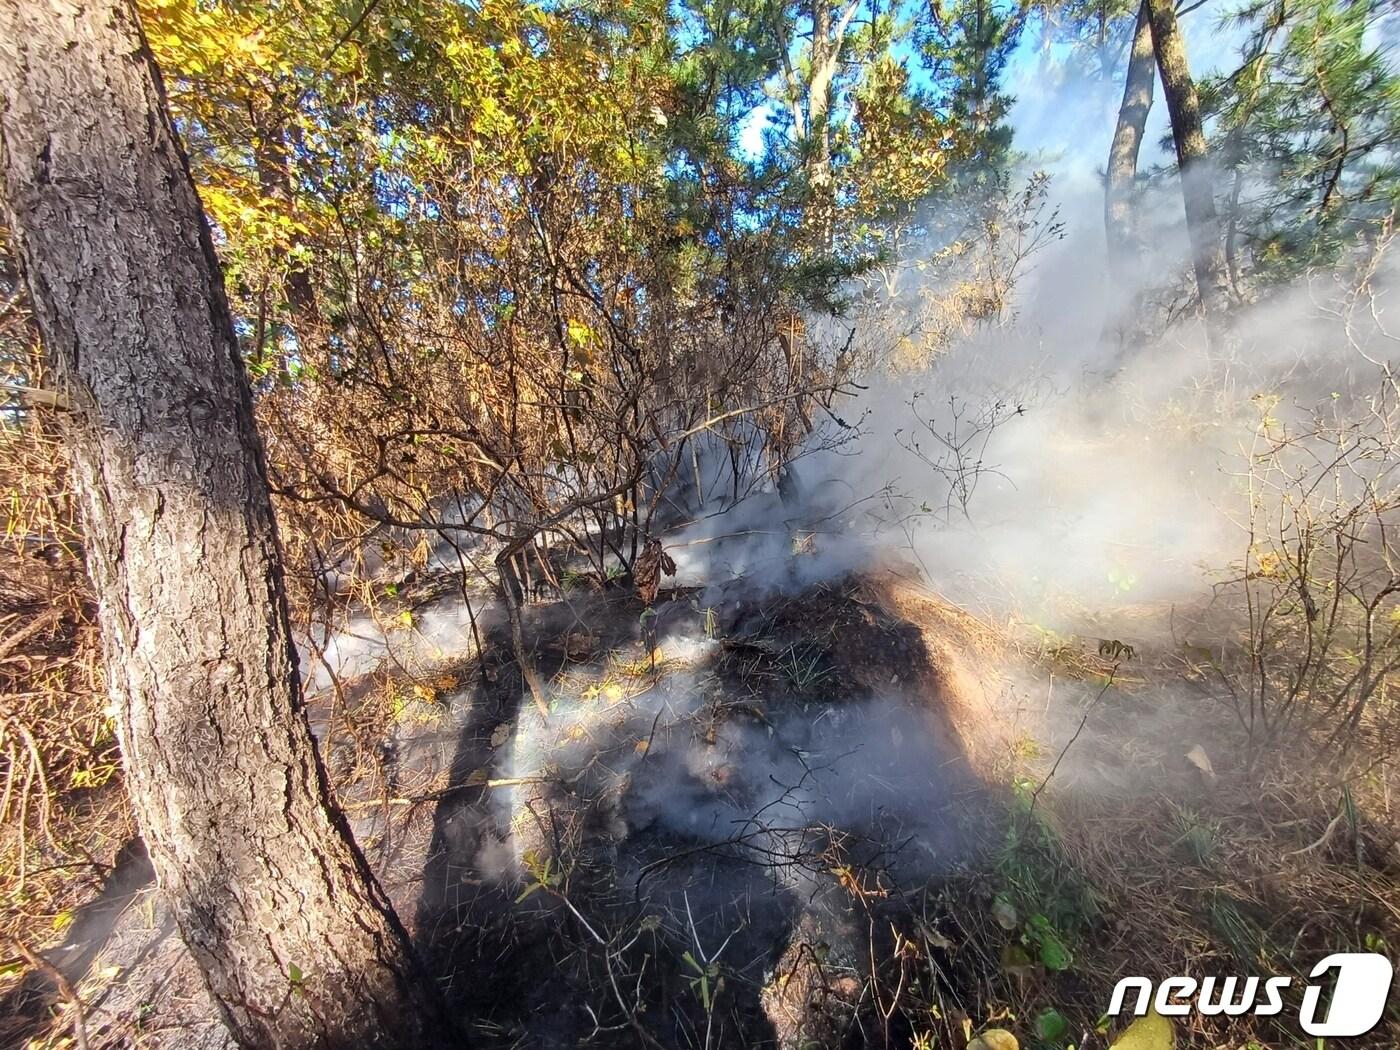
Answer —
1124 244
1198 194
1127 271
295 939
819 175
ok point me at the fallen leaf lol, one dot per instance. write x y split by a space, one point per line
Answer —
1051 1026
1197 757
994 1039
1005 914
1151 1032
1015 960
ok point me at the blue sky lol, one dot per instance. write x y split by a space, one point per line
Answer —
1064 122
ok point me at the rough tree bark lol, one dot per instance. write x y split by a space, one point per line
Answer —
1124 244
295 939
1198 194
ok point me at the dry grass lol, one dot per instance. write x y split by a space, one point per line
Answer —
63 813
1131 853
1142 861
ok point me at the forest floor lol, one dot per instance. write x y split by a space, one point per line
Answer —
846 814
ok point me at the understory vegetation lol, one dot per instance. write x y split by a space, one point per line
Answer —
762 574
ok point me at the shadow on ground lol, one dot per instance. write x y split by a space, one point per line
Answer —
719 851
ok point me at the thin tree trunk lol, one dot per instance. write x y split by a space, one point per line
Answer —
1124 242
828 40
1198 194
296 940
819 174
1125 257
513 595
275 181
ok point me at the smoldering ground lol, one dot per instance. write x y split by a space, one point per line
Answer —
778 761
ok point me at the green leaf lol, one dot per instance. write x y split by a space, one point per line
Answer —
1054 956
1051 1026
294 973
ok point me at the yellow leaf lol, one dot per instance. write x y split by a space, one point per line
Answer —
994 1039
1152 1032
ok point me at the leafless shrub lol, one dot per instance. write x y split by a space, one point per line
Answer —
1319 580
960 438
